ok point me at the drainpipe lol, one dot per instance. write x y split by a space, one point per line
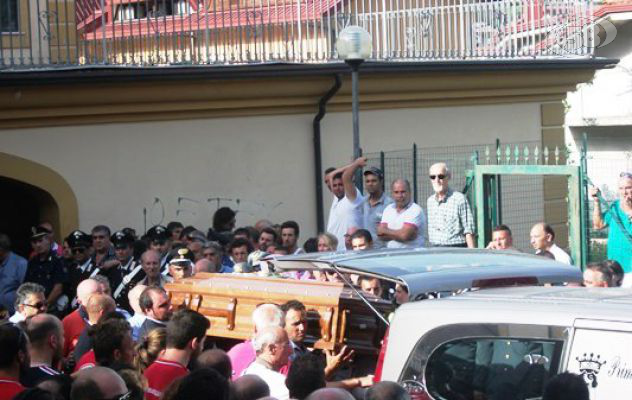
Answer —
318 161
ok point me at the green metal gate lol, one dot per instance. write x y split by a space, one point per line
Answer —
524 161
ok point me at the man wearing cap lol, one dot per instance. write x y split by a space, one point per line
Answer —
129 271
160 241
375 203
346 211
45 268
181 266
81 265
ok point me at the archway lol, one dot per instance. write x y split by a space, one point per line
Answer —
33 193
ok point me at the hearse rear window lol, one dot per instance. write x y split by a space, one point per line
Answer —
490 363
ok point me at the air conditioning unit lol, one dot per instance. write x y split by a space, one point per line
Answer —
181 7
125 12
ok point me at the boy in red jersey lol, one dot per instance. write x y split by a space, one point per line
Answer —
186 332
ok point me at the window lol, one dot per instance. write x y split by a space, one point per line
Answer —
491 362
9 16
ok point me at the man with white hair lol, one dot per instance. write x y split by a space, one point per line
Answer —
243 354
75 322
450 220
273 351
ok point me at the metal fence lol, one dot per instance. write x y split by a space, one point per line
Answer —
521 196
44 33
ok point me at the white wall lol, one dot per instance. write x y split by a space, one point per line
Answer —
262 166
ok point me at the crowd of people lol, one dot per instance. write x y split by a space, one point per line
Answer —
88 318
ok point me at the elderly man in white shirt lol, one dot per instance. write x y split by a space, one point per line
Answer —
273 349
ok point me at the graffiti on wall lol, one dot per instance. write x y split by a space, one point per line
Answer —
199 210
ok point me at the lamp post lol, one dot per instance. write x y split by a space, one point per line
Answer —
354 46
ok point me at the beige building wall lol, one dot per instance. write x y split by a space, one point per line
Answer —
262 166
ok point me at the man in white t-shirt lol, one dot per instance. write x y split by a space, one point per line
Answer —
543 239
346 210
403 222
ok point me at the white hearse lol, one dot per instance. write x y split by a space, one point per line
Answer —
507 343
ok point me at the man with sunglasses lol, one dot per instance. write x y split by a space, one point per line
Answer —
29 301
46 268
619 219
81 265
450 220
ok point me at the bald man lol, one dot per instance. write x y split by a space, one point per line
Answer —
330 394
543 240
250 387
46 336
75 322
98 305
403 222
203 265
97 383
450 219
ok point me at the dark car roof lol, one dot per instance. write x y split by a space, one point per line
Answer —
437 269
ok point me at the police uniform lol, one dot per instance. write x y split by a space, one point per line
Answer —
124 277
77 272
47 270
160 234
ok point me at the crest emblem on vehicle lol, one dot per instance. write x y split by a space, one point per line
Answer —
589 367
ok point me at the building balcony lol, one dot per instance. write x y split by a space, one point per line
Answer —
44 34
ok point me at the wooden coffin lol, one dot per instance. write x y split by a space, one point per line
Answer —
336 316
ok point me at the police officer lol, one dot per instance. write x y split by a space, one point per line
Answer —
81 266
160 241
46 268
129 271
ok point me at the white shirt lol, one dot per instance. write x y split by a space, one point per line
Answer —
136 321
559 254
345 214
275 380
411 215
17 318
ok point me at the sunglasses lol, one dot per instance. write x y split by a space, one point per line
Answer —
37 306
440 176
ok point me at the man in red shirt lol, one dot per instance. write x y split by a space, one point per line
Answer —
14 358
76 322
186 332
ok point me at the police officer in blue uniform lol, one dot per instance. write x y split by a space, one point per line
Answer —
46 268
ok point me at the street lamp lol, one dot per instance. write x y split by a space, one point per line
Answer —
354 46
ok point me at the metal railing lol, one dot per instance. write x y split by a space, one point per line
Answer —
45 33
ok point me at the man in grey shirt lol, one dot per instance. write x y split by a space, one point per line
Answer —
375 201
450 220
